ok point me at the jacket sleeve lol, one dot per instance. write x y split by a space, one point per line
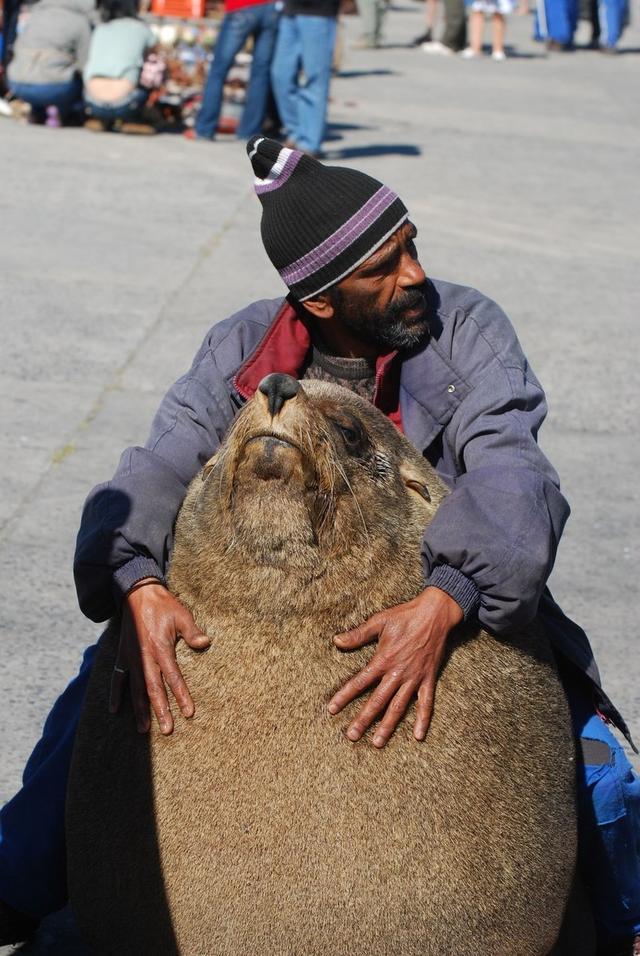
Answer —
126 532
493 541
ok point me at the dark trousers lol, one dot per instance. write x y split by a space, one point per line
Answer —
11 9
455 24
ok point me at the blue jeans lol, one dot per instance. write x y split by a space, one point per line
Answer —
304 42
66 96
608 794
32 839
260 22
612 15
126 108
33 864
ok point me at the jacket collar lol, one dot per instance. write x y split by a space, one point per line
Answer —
286 347
431 389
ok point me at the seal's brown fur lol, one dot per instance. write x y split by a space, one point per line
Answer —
273 833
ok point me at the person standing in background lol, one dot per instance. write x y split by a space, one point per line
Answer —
372 16
48 57
556 22
454 37
612 17
431 13
306 38
243 19
497 10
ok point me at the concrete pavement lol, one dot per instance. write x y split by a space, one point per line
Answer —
118 253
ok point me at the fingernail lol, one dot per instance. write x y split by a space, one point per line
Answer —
188 712
378 741
333 708
353 733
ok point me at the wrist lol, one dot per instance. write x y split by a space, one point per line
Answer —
443 604
144 583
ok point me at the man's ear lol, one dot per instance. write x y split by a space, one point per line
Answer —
320 306
415 482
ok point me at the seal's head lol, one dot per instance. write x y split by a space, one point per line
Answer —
309 475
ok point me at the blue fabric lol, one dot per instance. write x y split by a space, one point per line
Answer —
612 14
33 876
556 20
304 42
66 96
609 825
128 108
260 22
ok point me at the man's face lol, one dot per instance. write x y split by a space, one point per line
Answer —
382 302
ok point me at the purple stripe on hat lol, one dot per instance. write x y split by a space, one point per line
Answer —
341 239
290 164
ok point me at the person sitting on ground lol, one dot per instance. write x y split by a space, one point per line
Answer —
243 19
48 58
116 56
443 362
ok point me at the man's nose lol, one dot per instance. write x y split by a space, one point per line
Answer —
411 272
278 389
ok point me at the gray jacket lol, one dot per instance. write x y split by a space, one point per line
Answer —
467 399
54 43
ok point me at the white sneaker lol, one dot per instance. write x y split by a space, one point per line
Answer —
499 55
436 48
468 53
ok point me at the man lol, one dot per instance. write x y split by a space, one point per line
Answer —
443 362
306 38
257 19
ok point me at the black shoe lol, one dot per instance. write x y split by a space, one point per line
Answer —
15 927
423 38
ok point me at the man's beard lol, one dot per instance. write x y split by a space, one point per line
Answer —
388 327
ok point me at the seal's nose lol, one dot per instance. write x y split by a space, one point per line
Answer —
279 389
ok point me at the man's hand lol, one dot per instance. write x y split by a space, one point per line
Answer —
411 644
152 621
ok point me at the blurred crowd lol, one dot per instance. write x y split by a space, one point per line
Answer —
111 67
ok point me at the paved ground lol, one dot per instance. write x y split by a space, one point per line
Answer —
118 253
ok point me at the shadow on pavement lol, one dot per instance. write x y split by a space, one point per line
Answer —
381 149
354 74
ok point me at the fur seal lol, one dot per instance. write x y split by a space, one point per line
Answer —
257 827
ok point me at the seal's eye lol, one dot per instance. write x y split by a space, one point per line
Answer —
351 431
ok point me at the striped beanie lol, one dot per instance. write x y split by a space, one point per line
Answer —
319 223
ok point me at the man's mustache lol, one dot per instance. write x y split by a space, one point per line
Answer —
405 301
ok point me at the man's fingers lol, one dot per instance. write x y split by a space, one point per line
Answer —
374 706
190 632
175 680
353 688
158 696
395 712
424 709
359 636
139 698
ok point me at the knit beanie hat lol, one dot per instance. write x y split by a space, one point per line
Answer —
319 223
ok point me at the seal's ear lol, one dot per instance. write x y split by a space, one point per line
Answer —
208 468
414 481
